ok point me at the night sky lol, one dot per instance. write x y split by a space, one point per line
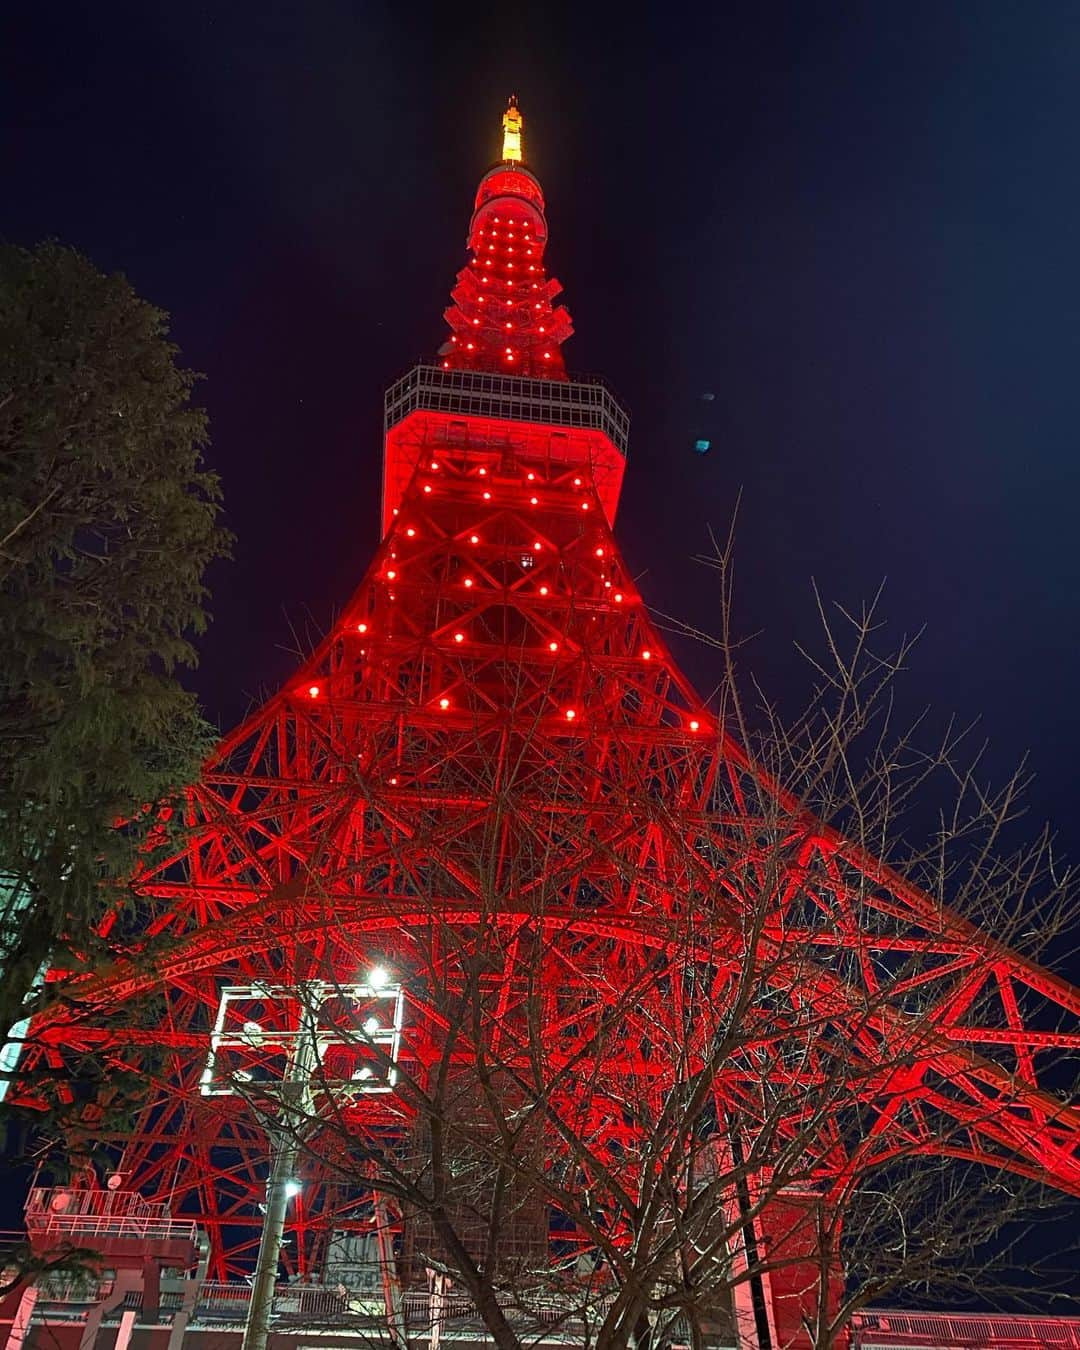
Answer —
855 224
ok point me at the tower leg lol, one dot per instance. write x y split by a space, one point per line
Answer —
751 1290
23 1313
151 1299
742 1298
127 1325
805 1283
125 1283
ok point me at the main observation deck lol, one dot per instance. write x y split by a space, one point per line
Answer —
558 424
475 393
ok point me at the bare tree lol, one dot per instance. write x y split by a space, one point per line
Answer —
685 1024
698 1117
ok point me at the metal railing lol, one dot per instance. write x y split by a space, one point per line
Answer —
101 1226
90 1214
543 1308
217 1301
588 404
314 1301
897 1327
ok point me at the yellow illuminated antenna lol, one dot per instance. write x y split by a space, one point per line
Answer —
513 133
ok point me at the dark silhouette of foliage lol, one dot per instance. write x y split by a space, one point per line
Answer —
108 520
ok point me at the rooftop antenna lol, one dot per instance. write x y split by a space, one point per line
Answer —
513 133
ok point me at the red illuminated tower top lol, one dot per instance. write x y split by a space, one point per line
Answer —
502 317
498 391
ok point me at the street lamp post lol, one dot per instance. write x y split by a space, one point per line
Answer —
288 1058
284 1138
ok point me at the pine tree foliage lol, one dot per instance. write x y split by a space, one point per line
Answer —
108 520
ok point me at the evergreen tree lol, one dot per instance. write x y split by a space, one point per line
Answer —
107 523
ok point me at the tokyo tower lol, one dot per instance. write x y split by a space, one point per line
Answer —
486 906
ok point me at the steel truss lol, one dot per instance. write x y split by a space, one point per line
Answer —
493 758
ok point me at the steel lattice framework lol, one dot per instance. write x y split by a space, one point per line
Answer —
496 733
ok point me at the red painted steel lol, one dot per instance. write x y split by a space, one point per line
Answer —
498 663
503 317
902 1327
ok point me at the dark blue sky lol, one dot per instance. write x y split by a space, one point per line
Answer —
856 224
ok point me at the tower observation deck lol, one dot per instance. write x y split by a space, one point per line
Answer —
492 980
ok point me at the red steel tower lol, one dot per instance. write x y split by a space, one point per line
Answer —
495 732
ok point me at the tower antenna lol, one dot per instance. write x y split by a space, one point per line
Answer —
513 133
